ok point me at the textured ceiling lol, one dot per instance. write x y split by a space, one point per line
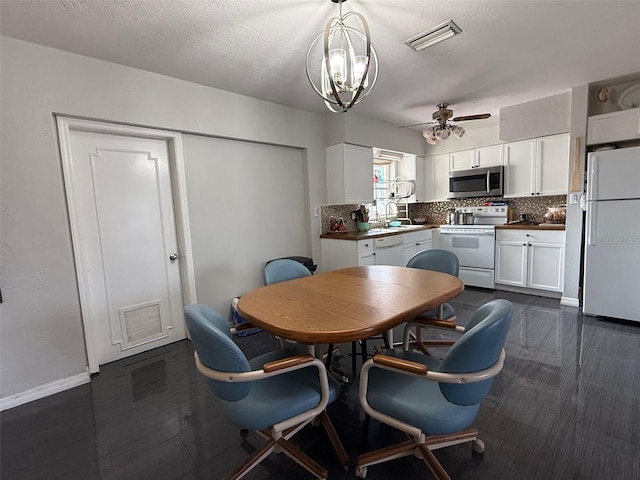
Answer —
508 52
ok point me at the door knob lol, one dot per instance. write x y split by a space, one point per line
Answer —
173 257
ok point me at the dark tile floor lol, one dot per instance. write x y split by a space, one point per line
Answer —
566 406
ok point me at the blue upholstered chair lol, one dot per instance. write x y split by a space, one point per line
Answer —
284 269
274 394
436 260
435 401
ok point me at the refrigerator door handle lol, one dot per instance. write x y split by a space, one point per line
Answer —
593 175
591 223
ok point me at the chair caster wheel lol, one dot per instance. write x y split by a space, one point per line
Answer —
244 433
361 472
478 446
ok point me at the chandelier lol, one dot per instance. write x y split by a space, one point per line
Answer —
441 131
345 69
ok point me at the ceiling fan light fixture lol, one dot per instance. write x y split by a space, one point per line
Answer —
342 65
442 134
435 35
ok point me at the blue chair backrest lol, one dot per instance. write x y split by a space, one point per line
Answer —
437 260
211 338
284 269
477 349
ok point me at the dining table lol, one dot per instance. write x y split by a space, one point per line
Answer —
347 304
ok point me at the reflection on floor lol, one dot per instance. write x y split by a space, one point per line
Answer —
566 406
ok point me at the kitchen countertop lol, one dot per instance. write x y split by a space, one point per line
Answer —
532 226
376 232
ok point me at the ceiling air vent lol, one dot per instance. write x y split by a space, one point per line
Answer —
433 36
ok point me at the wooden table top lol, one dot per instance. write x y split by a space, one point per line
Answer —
347 304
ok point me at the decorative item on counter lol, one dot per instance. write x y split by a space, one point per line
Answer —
420 220
361 216
341 226
557 214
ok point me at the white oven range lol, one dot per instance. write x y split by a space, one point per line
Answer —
474 245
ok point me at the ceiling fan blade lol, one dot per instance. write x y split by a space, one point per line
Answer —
481 116
417 124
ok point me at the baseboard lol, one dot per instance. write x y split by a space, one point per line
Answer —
44 391
570 302
528 291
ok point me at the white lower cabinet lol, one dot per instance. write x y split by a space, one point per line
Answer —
415 242
340 253
532 259
392 250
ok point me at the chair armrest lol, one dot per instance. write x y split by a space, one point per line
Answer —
278 367
415 369
286 363
241 326
401 364
433 322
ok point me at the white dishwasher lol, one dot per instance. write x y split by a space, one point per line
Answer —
388 250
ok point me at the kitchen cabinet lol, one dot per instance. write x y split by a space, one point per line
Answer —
538 166
477 157
346 253
614 127
349 174
532 259
415 242
436 178
393 249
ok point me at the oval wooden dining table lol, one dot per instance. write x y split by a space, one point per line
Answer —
348 304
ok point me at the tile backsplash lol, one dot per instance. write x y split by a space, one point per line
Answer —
436 212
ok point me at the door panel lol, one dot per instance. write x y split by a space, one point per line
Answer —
124 209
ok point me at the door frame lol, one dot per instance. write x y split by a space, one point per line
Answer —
179 196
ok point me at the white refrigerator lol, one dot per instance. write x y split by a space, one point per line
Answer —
611 283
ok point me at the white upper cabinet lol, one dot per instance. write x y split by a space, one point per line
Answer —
477 157
488 156
519 160
538 166
614 127
349 174
463 160
553 165
436 178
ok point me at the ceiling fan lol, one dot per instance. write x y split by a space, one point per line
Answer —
441 128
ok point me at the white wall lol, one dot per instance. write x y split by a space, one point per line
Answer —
362 130
537 118
41 330
241 197
574 222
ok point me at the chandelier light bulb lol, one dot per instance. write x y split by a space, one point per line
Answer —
338 64
359 68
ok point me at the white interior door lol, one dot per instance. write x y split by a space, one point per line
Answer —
123 222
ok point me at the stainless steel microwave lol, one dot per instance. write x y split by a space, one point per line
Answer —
477 182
